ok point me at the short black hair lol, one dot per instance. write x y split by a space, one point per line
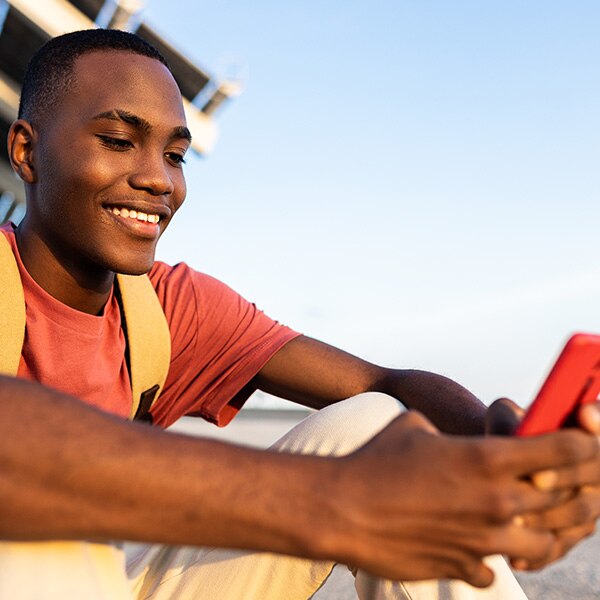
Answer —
49 73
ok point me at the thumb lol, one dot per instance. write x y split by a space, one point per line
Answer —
588 417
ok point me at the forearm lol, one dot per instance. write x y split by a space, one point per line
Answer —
70 472
450 406
315 374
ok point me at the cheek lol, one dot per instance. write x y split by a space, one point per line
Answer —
177 198
77 170
180 192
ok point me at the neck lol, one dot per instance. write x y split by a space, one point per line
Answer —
74 283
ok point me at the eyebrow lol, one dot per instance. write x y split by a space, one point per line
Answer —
117 114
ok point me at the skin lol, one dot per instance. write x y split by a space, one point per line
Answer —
84 484
86 160
575 516
423 522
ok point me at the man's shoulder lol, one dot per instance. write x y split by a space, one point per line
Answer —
182 289
163 274
181 275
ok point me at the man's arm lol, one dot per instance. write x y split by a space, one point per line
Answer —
398 507
315 374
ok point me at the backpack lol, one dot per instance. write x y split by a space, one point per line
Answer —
143 320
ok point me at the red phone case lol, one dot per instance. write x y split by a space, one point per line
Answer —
573 380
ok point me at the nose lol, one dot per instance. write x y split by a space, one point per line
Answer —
152 174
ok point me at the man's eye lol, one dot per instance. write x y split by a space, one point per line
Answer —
176 158
114 143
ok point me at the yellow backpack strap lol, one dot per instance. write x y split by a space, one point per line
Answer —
12 310
148 341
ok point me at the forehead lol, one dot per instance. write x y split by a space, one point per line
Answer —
142 85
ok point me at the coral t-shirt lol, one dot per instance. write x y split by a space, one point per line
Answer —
219 341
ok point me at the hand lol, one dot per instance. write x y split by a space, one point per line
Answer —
575 518
422 505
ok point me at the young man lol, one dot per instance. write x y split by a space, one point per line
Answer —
99 144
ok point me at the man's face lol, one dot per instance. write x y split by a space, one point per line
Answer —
109 164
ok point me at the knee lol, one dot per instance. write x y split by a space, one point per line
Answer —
342 427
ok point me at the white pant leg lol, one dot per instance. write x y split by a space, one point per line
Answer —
211 573
62 571
207 574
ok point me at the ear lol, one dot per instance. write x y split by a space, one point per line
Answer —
21 142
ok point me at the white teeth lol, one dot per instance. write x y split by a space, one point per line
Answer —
136 214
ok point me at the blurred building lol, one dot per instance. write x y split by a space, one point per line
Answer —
27 24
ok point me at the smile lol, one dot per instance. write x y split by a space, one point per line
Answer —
135 215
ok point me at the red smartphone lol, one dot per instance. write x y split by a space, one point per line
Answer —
573 381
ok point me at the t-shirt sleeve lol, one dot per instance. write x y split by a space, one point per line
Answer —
219 342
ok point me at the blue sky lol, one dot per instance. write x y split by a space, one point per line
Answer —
416 182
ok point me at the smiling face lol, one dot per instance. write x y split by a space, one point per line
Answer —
104 173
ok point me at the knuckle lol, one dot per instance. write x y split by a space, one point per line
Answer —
482 457
571 446
583 511
503 505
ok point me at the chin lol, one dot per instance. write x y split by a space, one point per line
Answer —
133 271
132 266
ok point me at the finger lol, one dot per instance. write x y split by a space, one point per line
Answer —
455 563
537 555
588 417
503 417
477 574
564 541
582 508
513 497
587 473
512 540
524 456
520 497
568 538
